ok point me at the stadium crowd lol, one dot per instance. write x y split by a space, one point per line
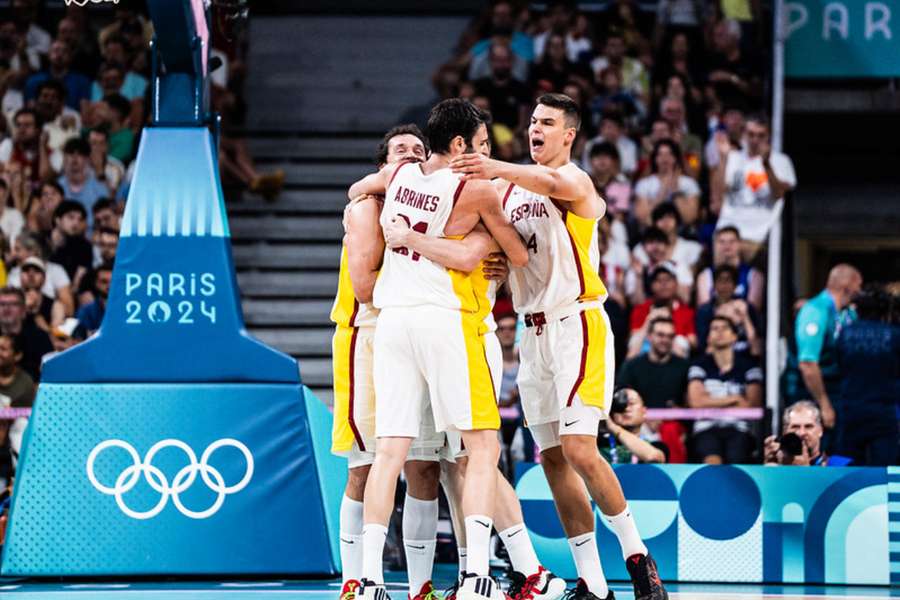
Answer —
674 136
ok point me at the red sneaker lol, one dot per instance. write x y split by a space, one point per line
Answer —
350 590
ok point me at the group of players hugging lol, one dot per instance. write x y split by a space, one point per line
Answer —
417 365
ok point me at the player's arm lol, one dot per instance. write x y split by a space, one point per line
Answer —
461 255
374 184
483 195
365 248
566 184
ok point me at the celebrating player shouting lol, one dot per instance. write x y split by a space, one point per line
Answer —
566 373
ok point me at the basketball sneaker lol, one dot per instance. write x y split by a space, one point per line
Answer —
542 585
350 590
581 592
645 578
450 592
426 593
373 591
479 588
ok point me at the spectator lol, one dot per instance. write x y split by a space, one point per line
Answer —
31 339
83 46
17 390
746 184
511 417
676 86
105 246
734 77
660 130
125 17
42 208
674 111
481 65
90 316
503 15
110 84
868 357
106 215
58 285
721 379
108 169
817 327
678 61
665 217
657 249
659 376
111 114
11 100
510 99
61 123
628 439
78 87
731 123
667 178
612 185
24 147
123 81
804 420
634 77
663 303
78 180
611 97
612 131
11 220
555 70
690 215
71 250
751 283
15 53
47 312
726 304
25 16
559 18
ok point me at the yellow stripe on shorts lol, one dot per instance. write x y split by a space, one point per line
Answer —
482 399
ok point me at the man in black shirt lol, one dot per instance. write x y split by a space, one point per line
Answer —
658 376
33 341
510 99
71 249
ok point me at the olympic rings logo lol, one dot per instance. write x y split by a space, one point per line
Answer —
129 478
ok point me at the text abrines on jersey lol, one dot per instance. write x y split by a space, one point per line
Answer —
419 200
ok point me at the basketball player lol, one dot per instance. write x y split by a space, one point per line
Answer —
567 366
428 339
477 254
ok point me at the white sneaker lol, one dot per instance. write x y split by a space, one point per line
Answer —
373 591
542 585
480 588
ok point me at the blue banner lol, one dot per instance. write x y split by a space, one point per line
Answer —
842 38
741 523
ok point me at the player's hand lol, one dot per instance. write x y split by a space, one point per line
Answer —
474 166
495 267
396 234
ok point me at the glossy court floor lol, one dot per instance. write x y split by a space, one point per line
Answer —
329 590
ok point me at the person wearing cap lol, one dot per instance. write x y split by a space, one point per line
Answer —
46 312
656 251
664 302
57 284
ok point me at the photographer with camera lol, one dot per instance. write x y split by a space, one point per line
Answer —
801 443
627 439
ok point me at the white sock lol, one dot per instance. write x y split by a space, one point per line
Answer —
587 563
351 524
478 540
521 552
419 540
626 530
374 535
462 560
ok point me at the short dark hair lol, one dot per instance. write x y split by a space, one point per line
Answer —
760 119
107 265
381 152
654 234
570 109
605 149
53 84
102 130
673 147
658 320
663 210
11 291
103 204
727 229
14 342
25 111
54 185
450 118
725 319
118 103
725 268
67 206
77 145
116 39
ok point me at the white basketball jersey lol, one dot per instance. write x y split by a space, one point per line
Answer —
425 203
563 257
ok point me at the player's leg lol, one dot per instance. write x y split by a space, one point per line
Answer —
351 529
420 517
583 397
452 473
479 488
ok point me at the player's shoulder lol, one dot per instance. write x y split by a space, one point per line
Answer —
365 209
571 169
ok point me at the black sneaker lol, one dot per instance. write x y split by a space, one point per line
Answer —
542 585
645 578
581 592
